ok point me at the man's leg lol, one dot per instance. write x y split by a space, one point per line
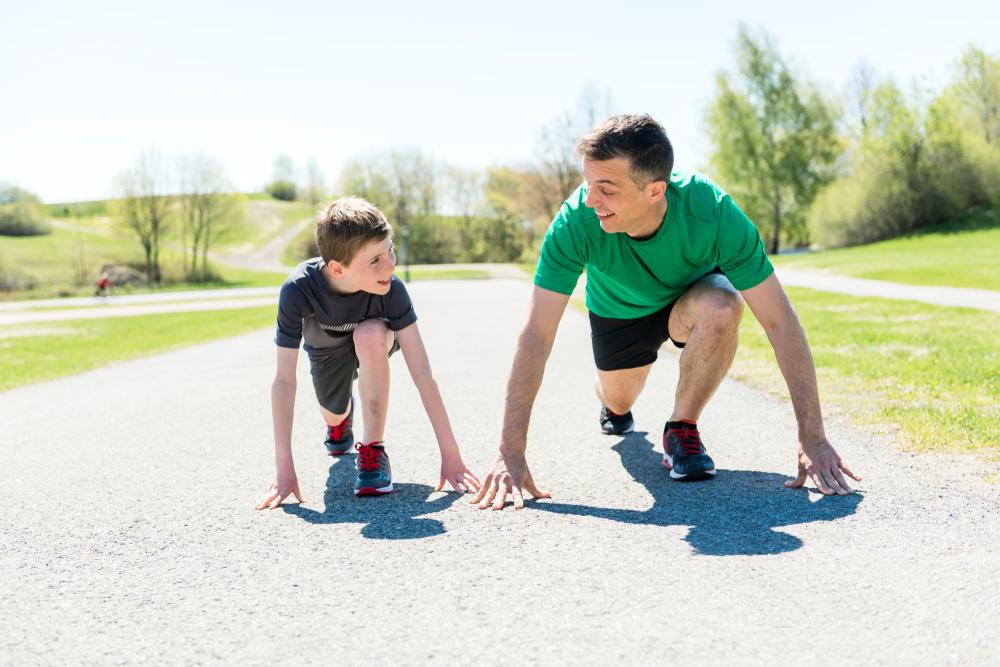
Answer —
372 342
706 318
619 389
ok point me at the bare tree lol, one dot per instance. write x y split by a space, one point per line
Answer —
208 209
143 206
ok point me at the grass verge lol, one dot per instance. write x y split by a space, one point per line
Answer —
931 375
962 253
38 352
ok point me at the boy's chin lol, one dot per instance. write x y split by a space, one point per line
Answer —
381 288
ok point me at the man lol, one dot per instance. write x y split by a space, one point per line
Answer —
668 256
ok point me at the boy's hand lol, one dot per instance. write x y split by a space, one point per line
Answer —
281 488
453 471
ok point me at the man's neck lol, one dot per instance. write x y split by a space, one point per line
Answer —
652 223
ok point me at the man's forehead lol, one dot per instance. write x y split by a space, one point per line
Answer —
613 172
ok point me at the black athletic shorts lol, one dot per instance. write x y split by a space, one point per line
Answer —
629 343
333 374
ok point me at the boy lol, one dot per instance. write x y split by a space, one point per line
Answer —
353 313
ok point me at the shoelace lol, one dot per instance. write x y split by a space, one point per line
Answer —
689 439
337 431
369 457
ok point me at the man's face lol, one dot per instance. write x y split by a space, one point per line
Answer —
371 269
621 205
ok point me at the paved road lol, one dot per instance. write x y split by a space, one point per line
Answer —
129 536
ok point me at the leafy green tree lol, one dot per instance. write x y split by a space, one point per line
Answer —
21 213
978 86
282 186
774 140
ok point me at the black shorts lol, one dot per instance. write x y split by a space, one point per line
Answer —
333 374
630 343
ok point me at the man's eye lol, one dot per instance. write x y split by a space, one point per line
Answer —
606 192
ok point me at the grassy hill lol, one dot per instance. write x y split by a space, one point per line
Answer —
962 253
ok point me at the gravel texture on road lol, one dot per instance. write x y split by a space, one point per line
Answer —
131 537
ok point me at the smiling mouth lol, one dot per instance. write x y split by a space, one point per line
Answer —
384 282
604 216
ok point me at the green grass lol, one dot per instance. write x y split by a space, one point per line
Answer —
38 352
963 253
930 374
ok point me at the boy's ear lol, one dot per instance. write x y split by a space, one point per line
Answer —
335 268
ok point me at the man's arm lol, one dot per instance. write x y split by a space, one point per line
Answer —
282 409
817 457
510 470
453 469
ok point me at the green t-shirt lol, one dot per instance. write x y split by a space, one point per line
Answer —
702 230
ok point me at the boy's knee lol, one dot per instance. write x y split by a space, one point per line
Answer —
371 337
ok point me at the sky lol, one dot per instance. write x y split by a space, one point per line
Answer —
86 87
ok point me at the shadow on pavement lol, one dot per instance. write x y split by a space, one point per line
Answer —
734 514
389 517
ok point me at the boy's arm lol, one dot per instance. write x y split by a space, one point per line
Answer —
282 409
453 469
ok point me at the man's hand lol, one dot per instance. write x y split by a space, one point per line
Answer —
286 484
509 475
821 462
454 472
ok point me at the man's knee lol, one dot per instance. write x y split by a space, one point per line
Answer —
721 309
370 338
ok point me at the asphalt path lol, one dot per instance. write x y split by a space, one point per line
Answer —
129 536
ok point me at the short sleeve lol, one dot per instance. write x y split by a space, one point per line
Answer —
741 254
563 254
400 313
291 310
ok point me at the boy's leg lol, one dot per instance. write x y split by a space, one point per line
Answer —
372 342
330 418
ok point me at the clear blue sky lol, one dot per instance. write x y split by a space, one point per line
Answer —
87 86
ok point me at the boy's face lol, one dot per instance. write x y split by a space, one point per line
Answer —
370 270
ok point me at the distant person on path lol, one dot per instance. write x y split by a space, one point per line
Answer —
353 313
103 285
668 256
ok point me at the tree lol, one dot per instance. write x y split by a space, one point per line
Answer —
21 213
556 171
282 186
143 206
208 209
979 88
774 140
315 187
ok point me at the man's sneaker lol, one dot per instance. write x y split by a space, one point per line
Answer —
684 454
340 438
615 424
374 474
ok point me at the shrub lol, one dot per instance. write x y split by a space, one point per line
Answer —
283 190
21 213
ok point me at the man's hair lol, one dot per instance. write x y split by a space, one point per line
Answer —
636 137
346 225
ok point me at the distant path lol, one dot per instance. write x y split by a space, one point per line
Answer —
959 297
269 257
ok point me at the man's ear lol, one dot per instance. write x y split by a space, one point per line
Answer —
656 189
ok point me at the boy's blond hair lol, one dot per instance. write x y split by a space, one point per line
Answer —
346 225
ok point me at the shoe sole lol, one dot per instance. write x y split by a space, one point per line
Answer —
630 429
372 491
332 453
668 463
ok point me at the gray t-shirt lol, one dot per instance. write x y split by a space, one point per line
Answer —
307 308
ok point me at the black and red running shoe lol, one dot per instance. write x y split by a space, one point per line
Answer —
340 438
374 474
684 454
613 423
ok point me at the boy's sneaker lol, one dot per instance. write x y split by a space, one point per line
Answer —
615 424
340 438
374 474
684 454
